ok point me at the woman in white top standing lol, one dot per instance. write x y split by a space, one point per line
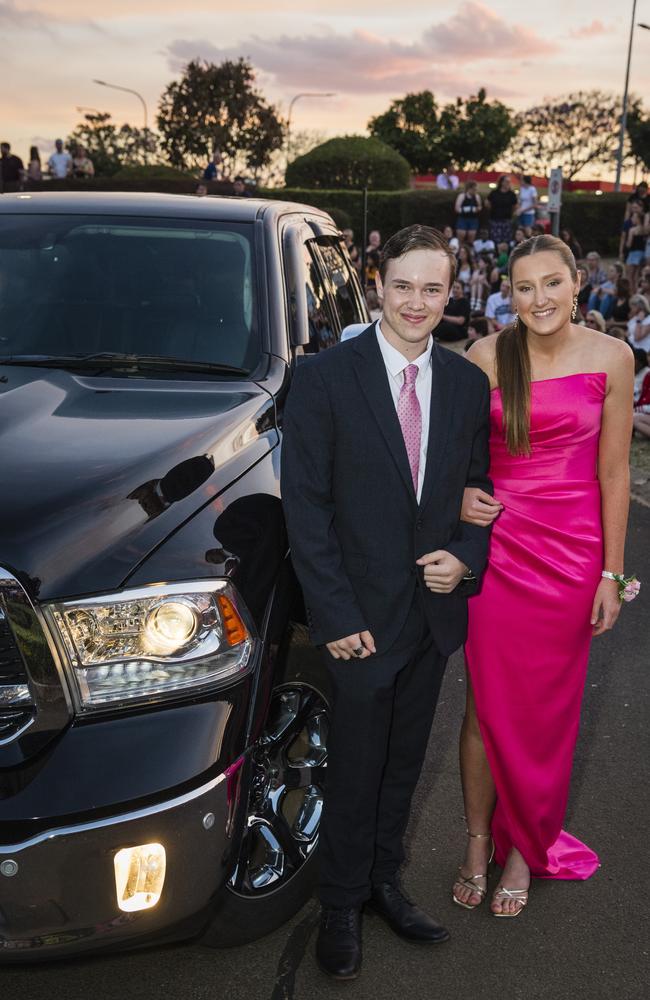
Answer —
638 327
527 201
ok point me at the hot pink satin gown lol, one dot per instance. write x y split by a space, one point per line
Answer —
529 627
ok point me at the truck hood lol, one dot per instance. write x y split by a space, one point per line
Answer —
98 471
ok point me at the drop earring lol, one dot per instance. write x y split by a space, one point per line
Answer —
574 311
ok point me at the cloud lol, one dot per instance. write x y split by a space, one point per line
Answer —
592 30
359 63
31 19
477 32
13 17
364 63
356 63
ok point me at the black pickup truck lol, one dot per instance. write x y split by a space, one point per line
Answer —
163 719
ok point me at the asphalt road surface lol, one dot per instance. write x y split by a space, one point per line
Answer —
574 941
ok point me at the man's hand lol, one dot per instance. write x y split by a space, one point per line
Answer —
479 507
346 649
442 571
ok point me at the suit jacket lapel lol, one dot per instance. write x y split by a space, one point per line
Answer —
443 397
373 379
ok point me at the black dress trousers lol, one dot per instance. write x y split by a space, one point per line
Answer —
382 715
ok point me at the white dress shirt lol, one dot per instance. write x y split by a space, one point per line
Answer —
395 364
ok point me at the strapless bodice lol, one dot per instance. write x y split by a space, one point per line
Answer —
565 417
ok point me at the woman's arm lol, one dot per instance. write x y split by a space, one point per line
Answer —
480 507
614 479
457 203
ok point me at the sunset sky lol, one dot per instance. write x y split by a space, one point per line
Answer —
368 52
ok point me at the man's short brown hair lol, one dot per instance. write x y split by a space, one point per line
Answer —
416 238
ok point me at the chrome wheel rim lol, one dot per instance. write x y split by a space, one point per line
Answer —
286 798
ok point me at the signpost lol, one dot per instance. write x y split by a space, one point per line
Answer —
555 199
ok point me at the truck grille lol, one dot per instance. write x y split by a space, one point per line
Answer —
15 698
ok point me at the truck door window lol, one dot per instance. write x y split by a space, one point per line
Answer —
341 284
322 333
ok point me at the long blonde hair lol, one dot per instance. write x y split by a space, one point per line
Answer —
512 356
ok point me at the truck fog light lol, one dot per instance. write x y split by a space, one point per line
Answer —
139 876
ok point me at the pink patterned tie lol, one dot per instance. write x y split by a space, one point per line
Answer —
410 418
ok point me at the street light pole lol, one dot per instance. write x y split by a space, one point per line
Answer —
621 140
127 90
291 104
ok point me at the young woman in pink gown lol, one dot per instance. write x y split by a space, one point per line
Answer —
560 430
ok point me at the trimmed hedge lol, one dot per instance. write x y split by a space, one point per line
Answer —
151 172
340 217
595 220
350 162
388 211
162 183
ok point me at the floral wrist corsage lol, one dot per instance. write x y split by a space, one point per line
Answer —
628 586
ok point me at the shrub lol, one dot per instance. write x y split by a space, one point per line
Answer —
348 202
350 162
428 208
388 211
151 172
340 216
595 220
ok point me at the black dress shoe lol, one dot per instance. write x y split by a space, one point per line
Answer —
338 948
403 916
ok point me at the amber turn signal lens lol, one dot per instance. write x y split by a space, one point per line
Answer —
234 627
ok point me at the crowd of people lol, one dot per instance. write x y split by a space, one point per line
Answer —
61 164
215 171
74 162
614 297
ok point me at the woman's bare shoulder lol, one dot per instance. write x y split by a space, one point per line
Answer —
609 354
483 353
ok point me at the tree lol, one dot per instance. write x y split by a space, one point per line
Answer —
471 133
638 129
302 141
412 127
350 162
573 132
110 147
479 131
217 107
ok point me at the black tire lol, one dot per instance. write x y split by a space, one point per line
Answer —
268 886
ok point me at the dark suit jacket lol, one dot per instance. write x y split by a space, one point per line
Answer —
355 526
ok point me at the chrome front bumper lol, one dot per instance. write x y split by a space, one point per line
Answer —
57 889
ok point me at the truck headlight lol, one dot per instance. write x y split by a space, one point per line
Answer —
145 643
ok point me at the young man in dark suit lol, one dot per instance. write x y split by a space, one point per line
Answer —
381 436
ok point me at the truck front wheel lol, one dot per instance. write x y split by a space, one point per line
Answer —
275 872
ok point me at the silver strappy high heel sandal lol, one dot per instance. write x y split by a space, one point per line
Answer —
519 895
469 881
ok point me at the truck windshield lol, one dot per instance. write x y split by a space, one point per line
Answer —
80 285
